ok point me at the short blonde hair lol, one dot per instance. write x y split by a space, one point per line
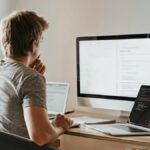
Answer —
19 30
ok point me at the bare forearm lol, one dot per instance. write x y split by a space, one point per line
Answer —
56 133
48 133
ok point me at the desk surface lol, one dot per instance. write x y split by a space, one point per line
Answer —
89 133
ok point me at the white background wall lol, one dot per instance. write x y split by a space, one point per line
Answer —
71 18
6 6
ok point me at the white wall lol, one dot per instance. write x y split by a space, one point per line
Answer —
6 6
71 18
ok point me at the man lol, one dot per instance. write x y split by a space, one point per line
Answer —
22 84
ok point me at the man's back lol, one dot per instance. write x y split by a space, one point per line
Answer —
14 78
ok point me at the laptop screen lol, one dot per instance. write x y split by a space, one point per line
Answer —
56 97
140 114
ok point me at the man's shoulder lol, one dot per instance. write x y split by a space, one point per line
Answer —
29 79
16 70
34 74
30 73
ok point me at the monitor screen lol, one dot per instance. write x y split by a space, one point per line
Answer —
113 67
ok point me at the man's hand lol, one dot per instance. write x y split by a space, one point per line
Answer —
38 66
62 121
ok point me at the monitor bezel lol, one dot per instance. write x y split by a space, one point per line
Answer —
105 37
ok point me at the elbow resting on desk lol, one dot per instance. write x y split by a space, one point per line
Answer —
43 138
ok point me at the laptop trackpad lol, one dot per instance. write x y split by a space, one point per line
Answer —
128 128
117 129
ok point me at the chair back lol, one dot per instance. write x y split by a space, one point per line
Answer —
13 142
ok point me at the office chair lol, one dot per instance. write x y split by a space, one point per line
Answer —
13 142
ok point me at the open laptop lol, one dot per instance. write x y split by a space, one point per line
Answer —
57 94
139 119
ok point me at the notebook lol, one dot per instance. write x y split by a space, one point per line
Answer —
139 119
81 120
57 94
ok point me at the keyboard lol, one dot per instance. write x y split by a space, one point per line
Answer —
51 116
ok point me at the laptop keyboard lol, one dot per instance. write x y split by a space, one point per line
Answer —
128 128
51 116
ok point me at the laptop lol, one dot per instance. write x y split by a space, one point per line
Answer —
139 119
57 94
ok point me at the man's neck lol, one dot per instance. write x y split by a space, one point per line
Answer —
23 60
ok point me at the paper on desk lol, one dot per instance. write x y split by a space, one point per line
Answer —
91 120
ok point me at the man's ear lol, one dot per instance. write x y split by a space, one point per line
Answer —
34 46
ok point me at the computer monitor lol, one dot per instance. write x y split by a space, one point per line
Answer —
111 69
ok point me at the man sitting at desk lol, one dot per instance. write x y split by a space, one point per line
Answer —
22 84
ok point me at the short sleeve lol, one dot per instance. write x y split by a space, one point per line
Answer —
33 91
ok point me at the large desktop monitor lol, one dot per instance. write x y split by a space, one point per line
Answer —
111 69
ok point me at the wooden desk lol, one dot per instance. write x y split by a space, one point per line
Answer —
84 138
